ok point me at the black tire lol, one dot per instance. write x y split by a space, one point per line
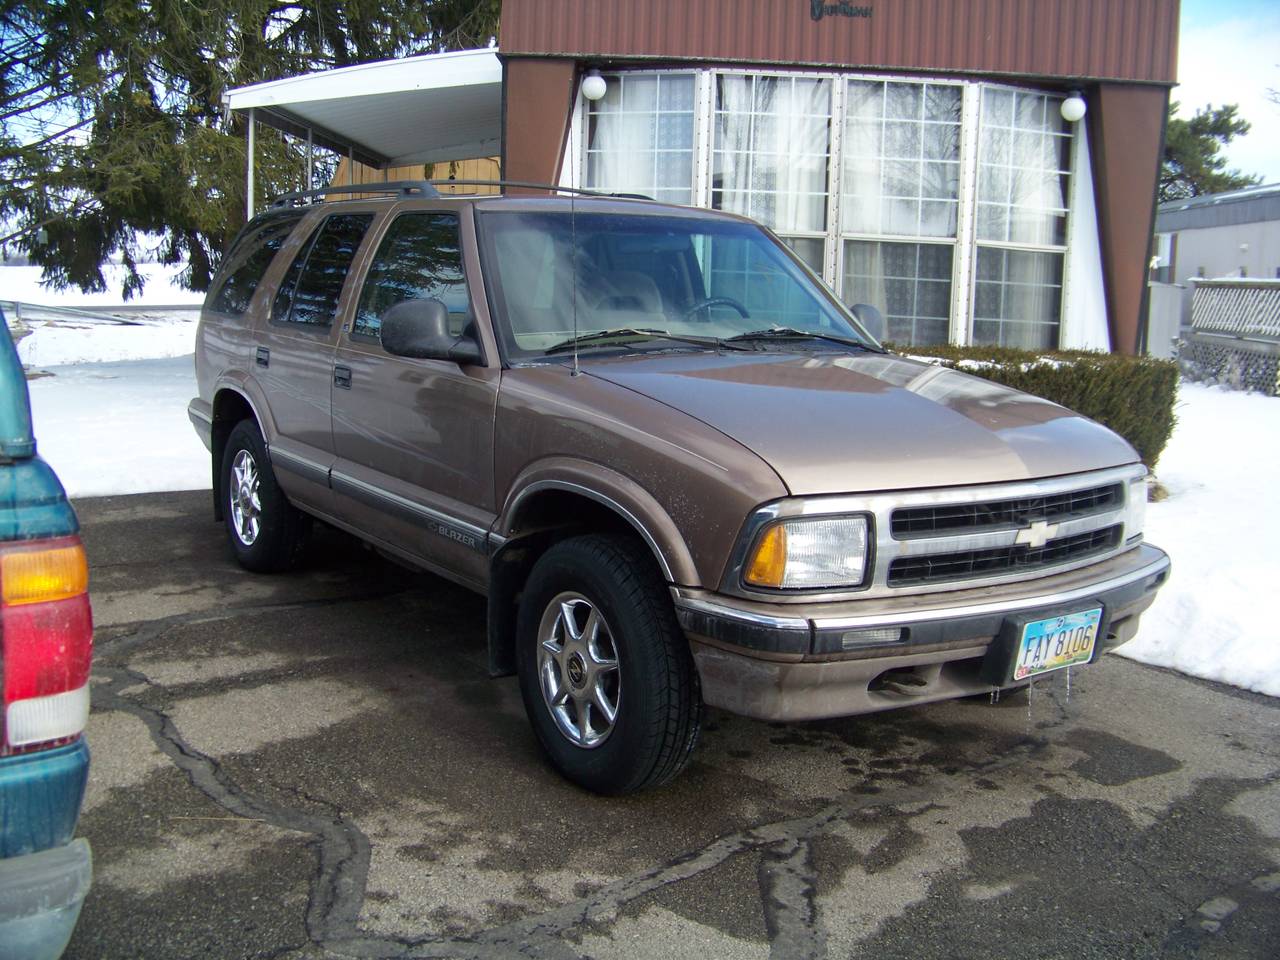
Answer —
275 542
658 702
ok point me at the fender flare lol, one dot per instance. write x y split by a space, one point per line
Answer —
632 502
246 389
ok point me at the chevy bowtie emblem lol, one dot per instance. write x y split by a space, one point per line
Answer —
1036 535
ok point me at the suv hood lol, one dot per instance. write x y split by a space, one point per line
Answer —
832 423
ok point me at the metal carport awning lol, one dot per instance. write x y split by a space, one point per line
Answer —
425 109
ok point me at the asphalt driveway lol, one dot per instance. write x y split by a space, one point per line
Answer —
317 765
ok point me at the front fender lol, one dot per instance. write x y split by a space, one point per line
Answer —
619 493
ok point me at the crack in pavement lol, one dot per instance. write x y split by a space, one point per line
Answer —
338 891
787 834
788 885
786 875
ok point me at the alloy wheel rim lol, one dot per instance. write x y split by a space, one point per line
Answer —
245 501
578 670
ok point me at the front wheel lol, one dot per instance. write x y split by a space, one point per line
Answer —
267 533
605 671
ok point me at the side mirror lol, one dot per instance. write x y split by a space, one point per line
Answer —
871 319
420 329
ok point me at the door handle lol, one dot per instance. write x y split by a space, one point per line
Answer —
342 377
264 357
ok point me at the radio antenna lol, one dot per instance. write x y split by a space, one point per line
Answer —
573 261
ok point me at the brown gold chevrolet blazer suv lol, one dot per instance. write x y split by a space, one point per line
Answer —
681 471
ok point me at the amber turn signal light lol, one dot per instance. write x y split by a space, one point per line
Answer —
42 573
769 561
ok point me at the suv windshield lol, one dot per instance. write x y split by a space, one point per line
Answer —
697 279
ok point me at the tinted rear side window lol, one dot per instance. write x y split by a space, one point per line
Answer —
248 260
310 291
419 258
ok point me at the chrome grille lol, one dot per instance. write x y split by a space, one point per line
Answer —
925 540
997 561
960 518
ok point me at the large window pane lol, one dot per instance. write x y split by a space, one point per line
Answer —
640 137
1017 298
772 145
1023 155
901 148
910 283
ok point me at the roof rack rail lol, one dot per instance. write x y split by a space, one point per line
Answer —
406 188
532 185
428 188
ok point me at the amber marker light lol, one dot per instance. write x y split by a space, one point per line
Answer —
43 572
769 561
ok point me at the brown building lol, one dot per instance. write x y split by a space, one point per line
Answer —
926 156
913 152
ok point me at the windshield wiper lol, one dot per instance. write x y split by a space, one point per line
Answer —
634 333
791 333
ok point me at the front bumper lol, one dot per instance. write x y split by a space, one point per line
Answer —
810 661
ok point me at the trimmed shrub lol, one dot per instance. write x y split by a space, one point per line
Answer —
1134 396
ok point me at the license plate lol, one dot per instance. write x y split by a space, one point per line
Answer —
1056 643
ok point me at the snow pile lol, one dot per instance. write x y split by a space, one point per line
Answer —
120 427
64 341
162 288
1221 526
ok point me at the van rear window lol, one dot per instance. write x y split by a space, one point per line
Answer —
248 260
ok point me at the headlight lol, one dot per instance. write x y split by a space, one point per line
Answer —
808 554
1135 516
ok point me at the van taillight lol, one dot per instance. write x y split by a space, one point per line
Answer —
46 641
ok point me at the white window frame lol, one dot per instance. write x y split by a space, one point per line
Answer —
959 309
573 171
1063 249
965 243
827 272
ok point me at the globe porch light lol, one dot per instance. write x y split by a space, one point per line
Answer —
1073 108
593 85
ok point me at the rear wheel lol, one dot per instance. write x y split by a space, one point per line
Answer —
605 671
267 533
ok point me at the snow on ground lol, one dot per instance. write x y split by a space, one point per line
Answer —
162 288
65 340
67 326
122 427
1221 526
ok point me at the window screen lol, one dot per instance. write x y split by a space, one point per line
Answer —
248 260
419 258
310 291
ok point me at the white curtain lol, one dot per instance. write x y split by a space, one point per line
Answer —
621 148
902 158
1023 159
772 146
